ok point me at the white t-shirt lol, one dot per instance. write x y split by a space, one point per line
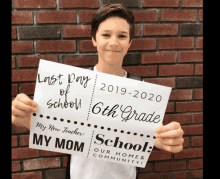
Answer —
86 168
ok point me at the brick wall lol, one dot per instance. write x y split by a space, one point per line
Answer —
167 49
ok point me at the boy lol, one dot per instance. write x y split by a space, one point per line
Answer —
112 32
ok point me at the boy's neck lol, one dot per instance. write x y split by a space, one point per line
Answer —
110 69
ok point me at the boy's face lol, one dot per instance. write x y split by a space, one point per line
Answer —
112 40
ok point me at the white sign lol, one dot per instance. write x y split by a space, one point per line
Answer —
96 115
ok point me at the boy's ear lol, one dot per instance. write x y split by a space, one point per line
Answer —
94 42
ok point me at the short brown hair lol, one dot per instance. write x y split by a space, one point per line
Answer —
110 10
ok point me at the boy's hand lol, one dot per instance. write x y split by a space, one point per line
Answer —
22 109
170 137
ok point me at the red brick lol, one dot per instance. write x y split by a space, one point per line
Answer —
197 141
193 130
148 168
194 106
179 175
14 90
160 29
186 142
79 4
143 44
190 56
12 62
80 60
86 16
199 69
22 153
159 155
170 107
145 16
50 153
176 43
15 166
170 82
190 3
14 141
56 46
55 17
170 166
27 88
160 3
158 175
158 57
197 118
178 15
24 75
19 17
199 43
201 15
29 175
35 164
87 46
33 60
142 70
196 174
65 160
18 129
71 31
181 118
181 94
22 47
175 70
24 139
198 93
189 153
13 33
33 4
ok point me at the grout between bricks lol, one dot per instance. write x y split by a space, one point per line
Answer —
34 18
180 4
197 16
141 30
60 58
12 6
35 47
22 165
77 17
58 5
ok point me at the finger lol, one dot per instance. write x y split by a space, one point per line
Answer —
171 134
171 126
26 100
173 149
18 112
172 141
24 107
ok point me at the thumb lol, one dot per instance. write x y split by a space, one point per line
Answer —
158 128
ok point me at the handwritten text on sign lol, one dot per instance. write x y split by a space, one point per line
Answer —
96 115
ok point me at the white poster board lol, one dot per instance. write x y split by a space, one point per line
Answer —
96 115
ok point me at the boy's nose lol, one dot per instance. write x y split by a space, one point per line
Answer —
113 41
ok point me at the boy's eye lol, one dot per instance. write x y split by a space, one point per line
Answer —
121 36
